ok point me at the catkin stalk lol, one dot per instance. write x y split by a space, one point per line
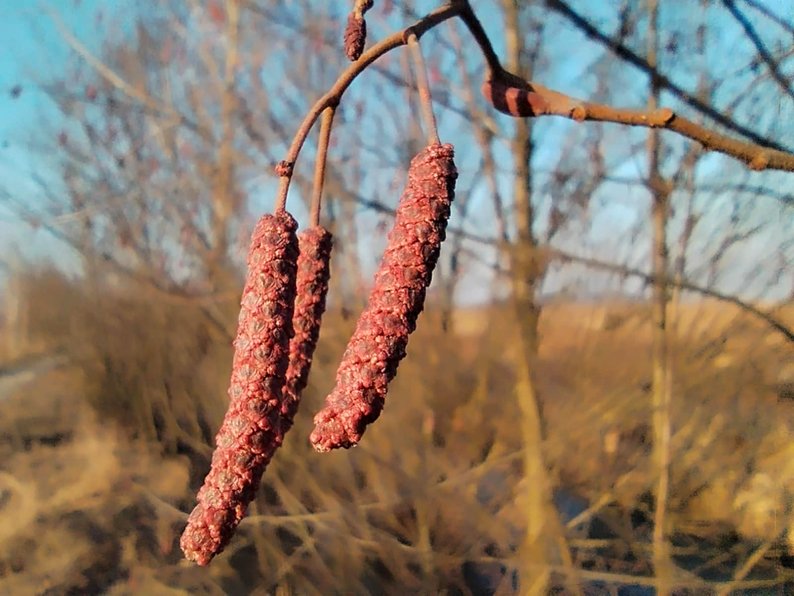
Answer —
397 297
251 430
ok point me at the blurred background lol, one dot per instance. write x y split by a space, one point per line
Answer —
599 397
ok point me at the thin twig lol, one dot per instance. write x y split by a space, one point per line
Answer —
319 165
743 571
425 99
117 81
683 284
334 95
763 52
468 16
771 15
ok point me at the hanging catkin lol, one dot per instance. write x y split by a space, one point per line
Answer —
311 288
251 431
381 335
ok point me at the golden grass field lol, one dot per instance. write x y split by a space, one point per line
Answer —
104 447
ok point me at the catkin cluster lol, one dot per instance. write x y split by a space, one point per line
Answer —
280 314
397 297
279 324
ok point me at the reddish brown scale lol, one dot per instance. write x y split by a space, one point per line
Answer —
355 36
312 286
513 101
250 432
381 336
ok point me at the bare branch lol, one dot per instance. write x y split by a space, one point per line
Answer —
768 59
334 94
517 97
664 81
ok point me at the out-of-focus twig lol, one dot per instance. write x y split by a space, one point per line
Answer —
625 53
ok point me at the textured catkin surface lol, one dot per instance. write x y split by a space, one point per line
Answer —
356 30
381 335
355 36
250 432
312 287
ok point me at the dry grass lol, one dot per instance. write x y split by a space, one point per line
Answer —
102 456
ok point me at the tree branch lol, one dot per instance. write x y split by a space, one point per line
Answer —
334 95
514 96
632 58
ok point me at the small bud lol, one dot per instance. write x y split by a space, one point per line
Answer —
355 36
514 101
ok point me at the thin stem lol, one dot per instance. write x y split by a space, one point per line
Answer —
361 7
334 95
319 165
763 52
480 36
420 72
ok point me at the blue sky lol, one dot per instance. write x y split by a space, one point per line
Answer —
35 51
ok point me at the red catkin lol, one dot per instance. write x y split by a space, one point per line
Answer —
312 286
355 36
250 432
397 297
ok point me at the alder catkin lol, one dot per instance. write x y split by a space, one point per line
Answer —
251 431
311 288
355 36
397 297
356 29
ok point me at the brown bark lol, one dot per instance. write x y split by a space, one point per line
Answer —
544 542
661 390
